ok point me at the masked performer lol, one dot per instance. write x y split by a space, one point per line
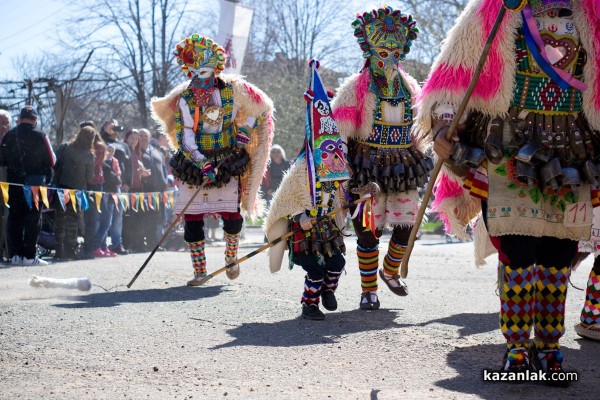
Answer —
374 112
589 325
526 148
311 189
221 128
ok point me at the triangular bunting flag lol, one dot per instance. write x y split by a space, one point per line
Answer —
61 198
98 197
44 193
134 206
149 197
28 195
4 187
73 199
35 190
115 198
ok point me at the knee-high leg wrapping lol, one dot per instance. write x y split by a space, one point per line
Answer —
330 282
590 314
393 258
312 290
550 295
198 256
368 262
232 242
516 304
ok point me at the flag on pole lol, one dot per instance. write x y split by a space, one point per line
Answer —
234 29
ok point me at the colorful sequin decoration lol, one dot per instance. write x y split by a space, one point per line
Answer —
368 263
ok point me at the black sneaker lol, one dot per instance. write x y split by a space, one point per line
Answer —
311 311
328 300
120 250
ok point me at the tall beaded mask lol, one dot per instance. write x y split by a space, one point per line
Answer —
385 36
200 56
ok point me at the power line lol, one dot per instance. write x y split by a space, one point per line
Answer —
37 22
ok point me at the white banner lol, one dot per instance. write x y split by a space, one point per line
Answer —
234 29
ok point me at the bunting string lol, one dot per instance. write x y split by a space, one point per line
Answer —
82 199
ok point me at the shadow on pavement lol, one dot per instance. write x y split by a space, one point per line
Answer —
112 299
469 362
470 323
302 332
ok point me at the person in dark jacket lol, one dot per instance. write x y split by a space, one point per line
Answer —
109 133
74 169
29 158
112 185
156 181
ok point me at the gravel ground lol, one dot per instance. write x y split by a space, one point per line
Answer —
244 339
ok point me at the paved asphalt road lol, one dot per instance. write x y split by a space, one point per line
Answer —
244 339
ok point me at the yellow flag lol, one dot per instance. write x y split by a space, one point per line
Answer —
4 187
73 199
141 200
98 196
44 193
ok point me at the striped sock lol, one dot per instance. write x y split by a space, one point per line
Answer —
198 256
590 314
393 258
232 242
312 290
516 304
330 282
368 262
550 295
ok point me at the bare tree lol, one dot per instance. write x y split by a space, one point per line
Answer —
134 40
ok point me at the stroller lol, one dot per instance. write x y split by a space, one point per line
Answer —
46 240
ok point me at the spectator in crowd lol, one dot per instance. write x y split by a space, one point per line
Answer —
278 165
155 181
5 123
109 134
133 237
29 158
73 170
91 216
112 184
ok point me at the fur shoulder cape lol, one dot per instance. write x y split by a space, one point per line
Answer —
452 70
253 102
291 197
354 103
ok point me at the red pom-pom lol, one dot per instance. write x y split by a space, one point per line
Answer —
330 94
314 62
309 95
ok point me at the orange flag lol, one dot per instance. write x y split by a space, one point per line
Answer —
149 197
35 190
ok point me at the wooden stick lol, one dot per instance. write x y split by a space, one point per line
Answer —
438 166
170 228
279 239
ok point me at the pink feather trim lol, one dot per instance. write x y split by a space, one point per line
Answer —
345 114
445 189
592 11
254 95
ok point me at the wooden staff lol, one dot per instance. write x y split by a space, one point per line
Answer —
279 239
438 166
170 228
